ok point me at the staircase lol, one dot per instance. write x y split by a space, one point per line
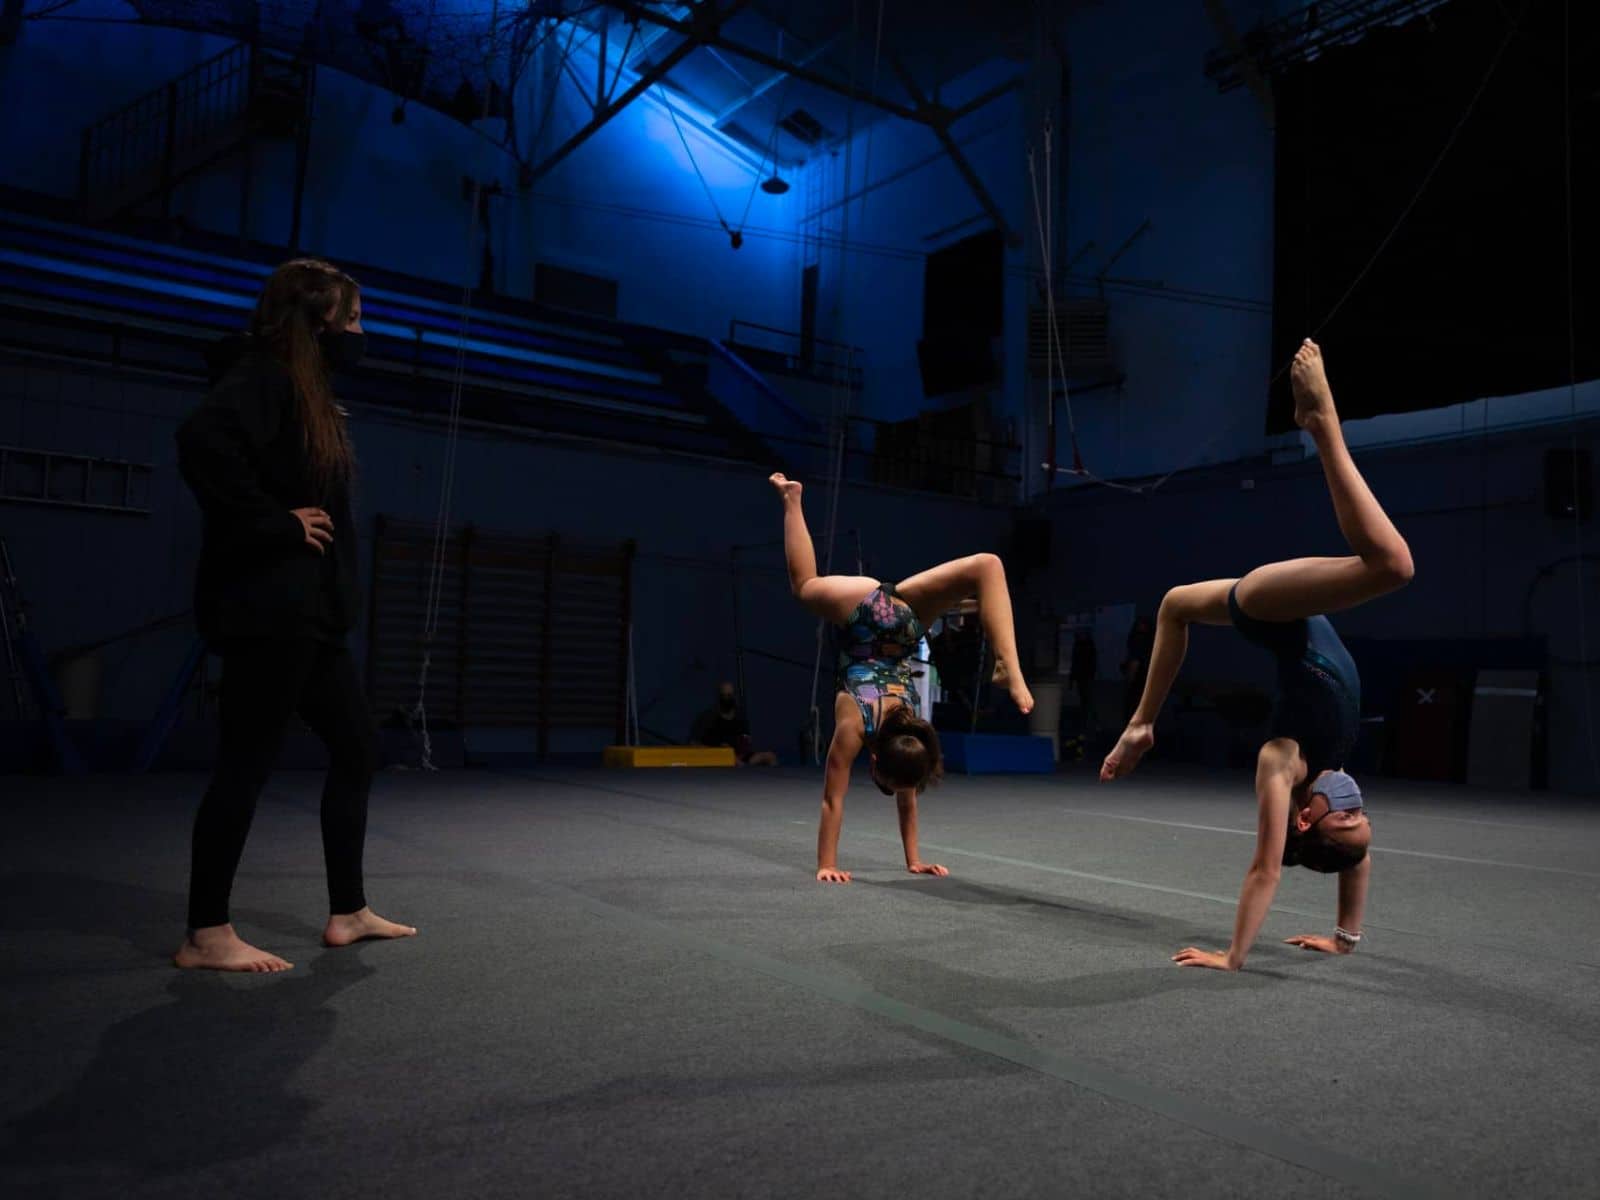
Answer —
145 149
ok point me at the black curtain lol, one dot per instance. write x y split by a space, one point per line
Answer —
1470 297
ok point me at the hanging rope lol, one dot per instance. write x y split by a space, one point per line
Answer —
839 398
866 168
734 235
771 148
1572 388
441 527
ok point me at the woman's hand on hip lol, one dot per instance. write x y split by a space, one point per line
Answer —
318 527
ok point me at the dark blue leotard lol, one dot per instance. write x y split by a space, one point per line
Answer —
1319 689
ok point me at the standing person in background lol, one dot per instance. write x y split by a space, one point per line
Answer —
1136 666
269 459
1085 670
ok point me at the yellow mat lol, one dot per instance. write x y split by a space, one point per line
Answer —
668 756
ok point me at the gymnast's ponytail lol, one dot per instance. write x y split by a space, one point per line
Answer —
909 757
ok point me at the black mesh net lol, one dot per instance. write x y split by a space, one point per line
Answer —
462 57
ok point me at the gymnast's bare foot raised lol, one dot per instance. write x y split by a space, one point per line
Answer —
788 488
346 928
1308 378
219 948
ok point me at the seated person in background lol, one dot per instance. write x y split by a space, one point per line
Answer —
725 725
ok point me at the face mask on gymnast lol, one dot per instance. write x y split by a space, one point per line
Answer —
1343 793
342 348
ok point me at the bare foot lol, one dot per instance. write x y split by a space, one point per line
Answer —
1020 695
219 948
1308 379
788 488
346 928
1134 743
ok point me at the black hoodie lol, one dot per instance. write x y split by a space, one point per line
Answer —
243 454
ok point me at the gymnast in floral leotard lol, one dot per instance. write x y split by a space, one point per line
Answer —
877 627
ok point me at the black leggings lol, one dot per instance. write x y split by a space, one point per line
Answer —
265 683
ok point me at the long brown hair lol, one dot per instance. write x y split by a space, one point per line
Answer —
909 755
292 310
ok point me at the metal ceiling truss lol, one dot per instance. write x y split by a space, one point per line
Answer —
704 29
938 118
725 117
1304 34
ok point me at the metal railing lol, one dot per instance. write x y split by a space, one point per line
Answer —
791 350
921 455
140 146
147 145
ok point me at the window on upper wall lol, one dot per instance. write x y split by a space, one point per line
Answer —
963 310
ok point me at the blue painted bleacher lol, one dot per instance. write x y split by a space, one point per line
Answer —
522 364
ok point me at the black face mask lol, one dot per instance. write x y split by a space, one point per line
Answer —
727 706
341 348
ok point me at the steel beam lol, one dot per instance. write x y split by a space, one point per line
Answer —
702 29
987 98
1246 65
1304 32
767 84
773 62
921 112
938 119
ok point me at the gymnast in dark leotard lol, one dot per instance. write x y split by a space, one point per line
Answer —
877 627
1309 812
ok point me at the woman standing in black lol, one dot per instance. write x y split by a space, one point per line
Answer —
269 459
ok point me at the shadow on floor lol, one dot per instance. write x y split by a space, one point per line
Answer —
202 1079
951 890
610 1095
975 995
150 920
